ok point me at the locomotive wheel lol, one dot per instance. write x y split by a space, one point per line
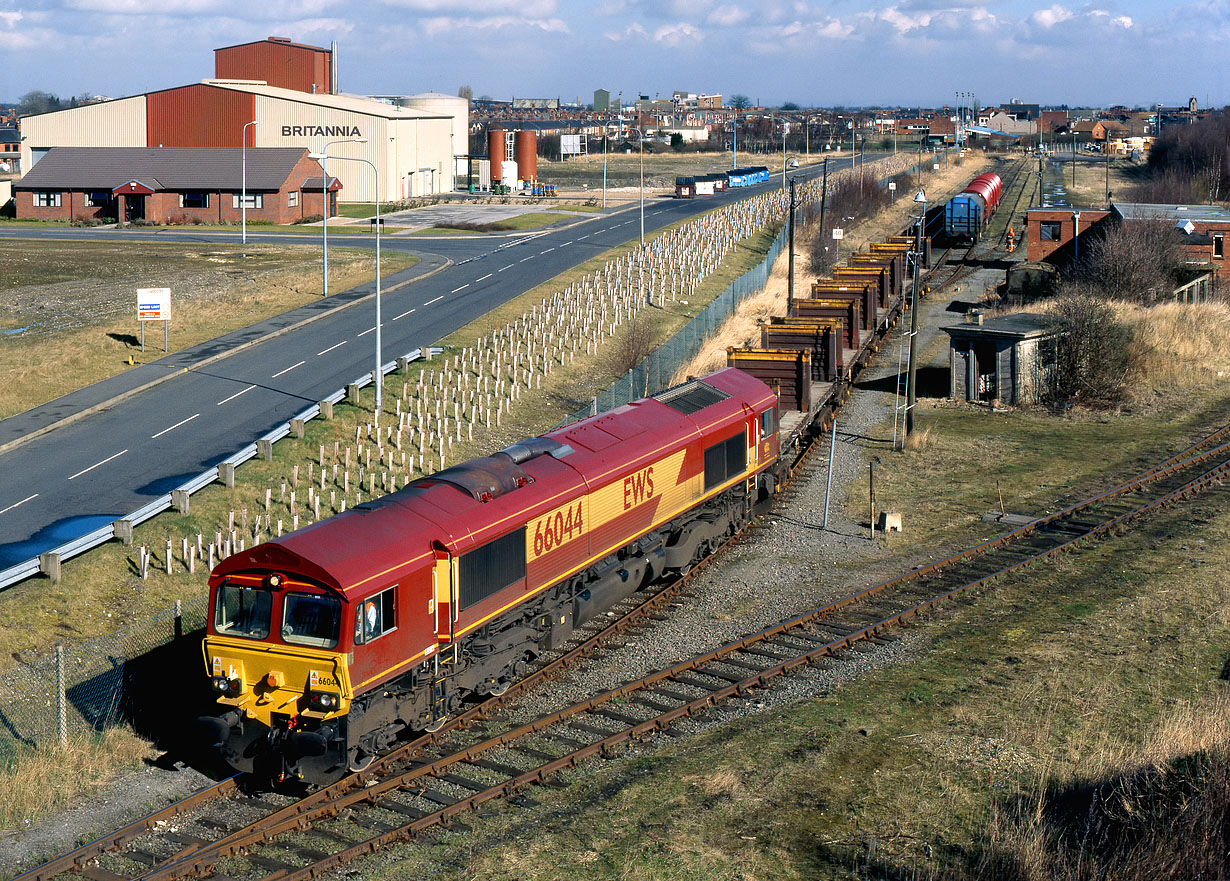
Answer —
435 725
500 688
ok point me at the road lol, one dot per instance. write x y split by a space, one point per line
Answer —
126 446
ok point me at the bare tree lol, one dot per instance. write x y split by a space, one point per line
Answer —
1139 261
634 346
466 92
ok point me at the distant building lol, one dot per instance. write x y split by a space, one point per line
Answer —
535 103
602 100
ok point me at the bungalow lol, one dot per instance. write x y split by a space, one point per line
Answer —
174 185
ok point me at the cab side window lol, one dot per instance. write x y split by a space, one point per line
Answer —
375 616
768 423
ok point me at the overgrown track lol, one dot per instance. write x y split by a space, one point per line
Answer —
434 779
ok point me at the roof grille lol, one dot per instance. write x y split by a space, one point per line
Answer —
691 396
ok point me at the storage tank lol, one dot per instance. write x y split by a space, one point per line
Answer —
508 173
527 155
497 150
439 104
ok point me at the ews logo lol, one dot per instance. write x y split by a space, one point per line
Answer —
638 487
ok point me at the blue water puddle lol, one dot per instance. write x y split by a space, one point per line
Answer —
51 537
18 330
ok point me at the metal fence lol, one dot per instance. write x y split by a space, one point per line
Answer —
80 689
656 371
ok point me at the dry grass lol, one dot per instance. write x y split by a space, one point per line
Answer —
1180 344
52 778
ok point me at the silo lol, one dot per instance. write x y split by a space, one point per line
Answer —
527 156
439 104
508 174
497 150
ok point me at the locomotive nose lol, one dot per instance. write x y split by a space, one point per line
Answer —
215 731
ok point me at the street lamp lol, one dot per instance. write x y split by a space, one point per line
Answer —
324 196
378 375
920 198
1076 236
243 201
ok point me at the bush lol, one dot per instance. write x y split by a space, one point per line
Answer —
1094 357
634 346
310 218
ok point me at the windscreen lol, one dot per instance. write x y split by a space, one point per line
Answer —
310 619
243 611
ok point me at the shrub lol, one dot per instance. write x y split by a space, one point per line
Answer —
1094 356
310 218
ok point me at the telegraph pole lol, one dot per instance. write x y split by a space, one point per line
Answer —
790 281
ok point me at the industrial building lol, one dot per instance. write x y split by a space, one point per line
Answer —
275 93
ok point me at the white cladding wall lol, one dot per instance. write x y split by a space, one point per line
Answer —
119 123
399 148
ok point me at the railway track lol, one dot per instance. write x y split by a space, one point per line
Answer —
436 778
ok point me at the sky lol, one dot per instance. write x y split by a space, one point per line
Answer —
843 53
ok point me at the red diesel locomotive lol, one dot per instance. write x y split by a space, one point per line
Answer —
326 644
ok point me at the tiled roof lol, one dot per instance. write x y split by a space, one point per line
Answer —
219 168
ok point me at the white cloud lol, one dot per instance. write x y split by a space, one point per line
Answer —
498 23
634 31
676 34
10 19
1051 16
833 29
727 16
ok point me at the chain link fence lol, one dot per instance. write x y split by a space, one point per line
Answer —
655 372
81 689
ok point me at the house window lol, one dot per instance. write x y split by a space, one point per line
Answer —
1050 230
1219 246
253 200
292 199
194 200
97 200
46 199
491 568
375 616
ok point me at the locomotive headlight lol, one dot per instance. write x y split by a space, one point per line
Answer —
324 700
227 687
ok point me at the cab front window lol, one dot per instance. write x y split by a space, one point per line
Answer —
309 619
243 611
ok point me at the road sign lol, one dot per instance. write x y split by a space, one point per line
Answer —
153 304
892 185
838 233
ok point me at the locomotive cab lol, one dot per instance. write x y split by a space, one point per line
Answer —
276 655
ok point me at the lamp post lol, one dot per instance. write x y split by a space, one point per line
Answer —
378 375
1076 236
921 198
324 195
606 136
243 200
784 124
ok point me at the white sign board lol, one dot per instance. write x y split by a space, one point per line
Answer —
892 185
838 233
153 304
570 145
935 166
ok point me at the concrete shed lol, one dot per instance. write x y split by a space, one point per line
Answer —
1001 358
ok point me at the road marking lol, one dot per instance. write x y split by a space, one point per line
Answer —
289 369
436 300
22 502
178 424
462 288
523 259
484 278
569 242
586 236
509 266
234 396
548 251
331 348
96 464
404 314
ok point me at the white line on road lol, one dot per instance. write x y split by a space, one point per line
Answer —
234 396
289 369
436 300
484 278
96 464
523 259
509 266
178 424
462 288
331 348
569 242
22 502
548 251
586 236
404 314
